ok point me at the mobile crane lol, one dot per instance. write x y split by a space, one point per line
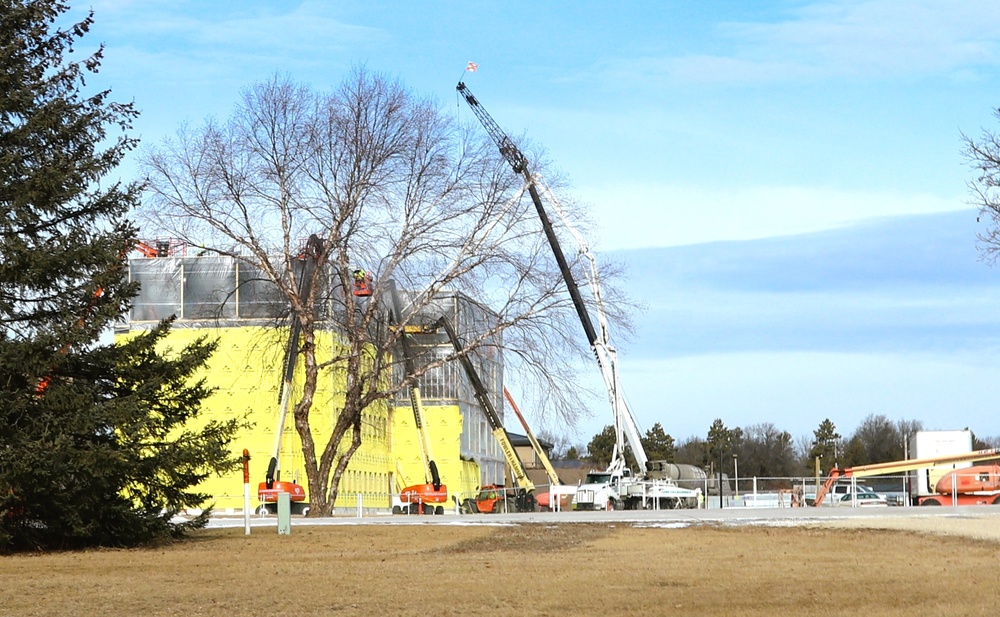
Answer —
426 498
964 483
615 487
493 498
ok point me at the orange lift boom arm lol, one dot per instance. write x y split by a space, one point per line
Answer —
539 450
877 469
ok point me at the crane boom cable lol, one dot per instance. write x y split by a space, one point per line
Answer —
624 421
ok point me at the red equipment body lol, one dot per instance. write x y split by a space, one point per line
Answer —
362 284
269 494
490 499
424 493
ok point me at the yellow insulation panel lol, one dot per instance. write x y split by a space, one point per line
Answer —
443 424
246 372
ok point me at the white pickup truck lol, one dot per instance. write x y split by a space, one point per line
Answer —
841 494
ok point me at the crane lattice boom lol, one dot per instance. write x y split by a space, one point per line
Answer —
604 352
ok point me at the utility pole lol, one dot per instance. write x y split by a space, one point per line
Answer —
720 479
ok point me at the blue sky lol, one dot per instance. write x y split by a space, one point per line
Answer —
784 178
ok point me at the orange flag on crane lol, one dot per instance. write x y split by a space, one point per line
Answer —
471 67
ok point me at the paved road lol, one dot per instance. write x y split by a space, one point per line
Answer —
663 518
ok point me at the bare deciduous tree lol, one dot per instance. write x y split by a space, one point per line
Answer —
983 155
766 451
387 181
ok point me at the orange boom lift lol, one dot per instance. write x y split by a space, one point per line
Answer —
970 480
268 490
426 498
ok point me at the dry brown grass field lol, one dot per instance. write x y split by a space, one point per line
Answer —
528 570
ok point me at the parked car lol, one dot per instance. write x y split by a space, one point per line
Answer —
862 499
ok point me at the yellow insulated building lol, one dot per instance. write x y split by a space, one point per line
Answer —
220 299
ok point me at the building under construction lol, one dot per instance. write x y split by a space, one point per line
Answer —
225 299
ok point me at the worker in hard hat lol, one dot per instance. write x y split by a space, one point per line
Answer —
362 283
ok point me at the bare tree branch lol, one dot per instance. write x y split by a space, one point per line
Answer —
392 184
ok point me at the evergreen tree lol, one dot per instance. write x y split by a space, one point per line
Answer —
94 449
658 444
602 446
826 446
721 443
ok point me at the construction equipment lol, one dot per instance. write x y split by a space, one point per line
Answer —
268 490
522 497
362 283
970 486
543 499
426 498
161 247
624 490
495 499
951 482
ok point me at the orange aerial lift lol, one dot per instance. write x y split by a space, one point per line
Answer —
362 284
161 247
429 497
972 485
268 490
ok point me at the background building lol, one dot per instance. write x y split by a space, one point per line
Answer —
224 299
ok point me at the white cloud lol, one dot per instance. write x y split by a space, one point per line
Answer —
796 391
254 32
884 35
678 215
844 38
